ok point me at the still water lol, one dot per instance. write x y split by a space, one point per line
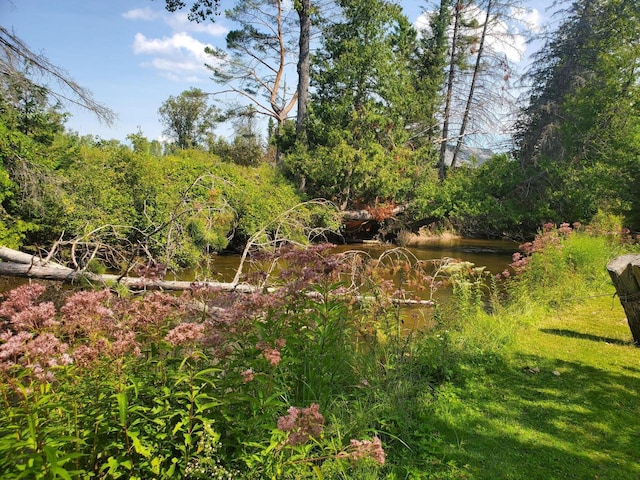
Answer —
495 255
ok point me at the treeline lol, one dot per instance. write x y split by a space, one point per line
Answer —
383 113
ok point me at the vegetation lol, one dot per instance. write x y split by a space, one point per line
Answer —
291 385
528 374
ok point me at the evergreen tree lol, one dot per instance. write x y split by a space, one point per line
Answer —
361 103
581 129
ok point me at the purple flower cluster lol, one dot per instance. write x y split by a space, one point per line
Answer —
302 424
90 326
367 449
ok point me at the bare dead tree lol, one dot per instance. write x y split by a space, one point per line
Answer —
14 54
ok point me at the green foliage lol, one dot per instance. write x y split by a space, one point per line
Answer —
179 206
354 176
188 119
360 110
580 130
492 199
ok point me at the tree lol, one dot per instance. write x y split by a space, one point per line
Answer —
188 118
303 7
202 10
18 62
488 89
256 58
474 88
580 129
428 65
558 69
362 84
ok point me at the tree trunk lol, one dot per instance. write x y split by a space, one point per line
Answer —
472 87
625 274
19 264
442 171
304 14
68 275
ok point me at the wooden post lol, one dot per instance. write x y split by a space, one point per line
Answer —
625 274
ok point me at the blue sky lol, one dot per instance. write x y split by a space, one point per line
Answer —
132 54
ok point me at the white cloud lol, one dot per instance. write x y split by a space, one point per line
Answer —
179 43
180 55
141 14
180 23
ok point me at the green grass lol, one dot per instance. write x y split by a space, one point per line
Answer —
562 402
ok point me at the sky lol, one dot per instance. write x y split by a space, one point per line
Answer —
132 55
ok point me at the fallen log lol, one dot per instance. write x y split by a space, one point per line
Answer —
19 264
10 255
68 275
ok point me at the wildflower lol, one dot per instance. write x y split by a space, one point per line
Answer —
85 312
20 299
13 347
368 449
43 353
85 356
185 333
247 375
565 229
35 317
302 424
272 355
125 342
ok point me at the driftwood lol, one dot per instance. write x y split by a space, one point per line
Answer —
19 264
625 274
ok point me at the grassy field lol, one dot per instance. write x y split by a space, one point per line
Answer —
562 403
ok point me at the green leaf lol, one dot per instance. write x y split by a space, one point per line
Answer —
122 407
177 427
138 446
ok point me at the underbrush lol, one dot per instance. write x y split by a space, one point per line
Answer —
310 376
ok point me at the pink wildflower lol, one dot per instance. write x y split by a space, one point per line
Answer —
565 229
302 424
247 376
35 317
368 449
86 312
43 353
272 355
185 333
20 299
124 343
14 346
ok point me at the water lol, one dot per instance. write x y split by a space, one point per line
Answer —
495 255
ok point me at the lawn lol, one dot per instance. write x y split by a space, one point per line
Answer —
562 402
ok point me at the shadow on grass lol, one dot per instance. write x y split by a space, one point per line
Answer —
580 422
584 336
